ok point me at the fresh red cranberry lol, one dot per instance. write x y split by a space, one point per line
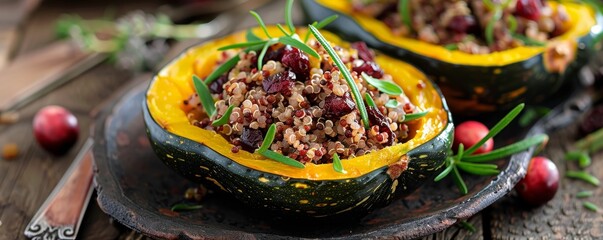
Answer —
462 24
297 61
469 133
363 51
55 129
251 139
370 68
336 106
540 183
529 9
279 83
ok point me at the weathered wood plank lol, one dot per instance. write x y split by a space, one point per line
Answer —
564 217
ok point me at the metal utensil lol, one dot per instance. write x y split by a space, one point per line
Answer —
61 214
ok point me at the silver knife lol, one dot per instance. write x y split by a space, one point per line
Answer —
61 214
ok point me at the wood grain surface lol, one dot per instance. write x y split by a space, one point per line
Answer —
26 181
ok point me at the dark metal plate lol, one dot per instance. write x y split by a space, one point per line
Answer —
136 189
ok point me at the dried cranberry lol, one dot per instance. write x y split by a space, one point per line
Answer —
251 139
363 51
377 119
592 121
274 54
370 68
217 85
297 61
336 106
529 9
462 24
281 82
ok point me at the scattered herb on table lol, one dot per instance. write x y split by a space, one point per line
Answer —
185 207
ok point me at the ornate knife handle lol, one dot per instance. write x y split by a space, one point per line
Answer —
61 214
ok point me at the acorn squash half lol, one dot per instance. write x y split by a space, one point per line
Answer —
371 181
476 84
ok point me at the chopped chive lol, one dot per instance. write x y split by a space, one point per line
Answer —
497 128
382 85
369 100
490 27
460 183
337 166
288 18
584 176
205 96
268 138
282 159
590 206
263 53
584 194
319 25
280 27
413 116
346 75
261 22
404 10
242 45
507 150
573 155
185 207
392 103
468 226
584 160
225 67
287 40
251 37
224 119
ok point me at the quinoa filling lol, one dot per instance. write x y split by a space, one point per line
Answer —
466 25
308 101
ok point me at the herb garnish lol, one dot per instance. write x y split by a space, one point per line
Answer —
321 24
369 100
473 164
224 119
584 176
404 10
337 166
382 85
590 206
185 207
413 116
346 74
582 157
204 96
392 103
584 194
222 69
263 150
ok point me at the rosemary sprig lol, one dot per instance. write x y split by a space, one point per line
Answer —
185 207
226 66
288 40
474 164
205 96
242 45
263 53
224 119
261 22
584 176
263 150
392 103
337 166
346 75
251 37
288 18
280 27
413 116
382 85
319 25
404 11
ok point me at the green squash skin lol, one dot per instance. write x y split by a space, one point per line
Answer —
478 89
288 198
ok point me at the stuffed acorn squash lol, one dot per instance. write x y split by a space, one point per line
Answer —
311 116
485 55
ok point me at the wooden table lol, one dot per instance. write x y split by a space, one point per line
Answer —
26 181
